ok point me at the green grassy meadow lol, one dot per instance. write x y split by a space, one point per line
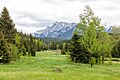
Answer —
41 68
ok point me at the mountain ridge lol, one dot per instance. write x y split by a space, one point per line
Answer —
60 30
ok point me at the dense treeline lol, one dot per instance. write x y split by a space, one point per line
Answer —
62 45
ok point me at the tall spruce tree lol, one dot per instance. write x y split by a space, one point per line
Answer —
75 48
77 52
7 26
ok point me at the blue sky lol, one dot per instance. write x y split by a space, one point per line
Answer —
32 15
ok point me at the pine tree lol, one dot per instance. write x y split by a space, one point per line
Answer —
75 48
5 56
7 26
77 52
33 46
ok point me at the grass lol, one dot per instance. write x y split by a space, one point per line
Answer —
41 68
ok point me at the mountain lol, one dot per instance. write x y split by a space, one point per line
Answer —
60 30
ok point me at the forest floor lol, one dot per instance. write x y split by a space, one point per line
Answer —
50 65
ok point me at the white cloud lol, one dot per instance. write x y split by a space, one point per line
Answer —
26 20
26 29
36 14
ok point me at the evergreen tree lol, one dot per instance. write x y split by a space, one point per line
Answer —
32 46
26 43
7 26
39 45
75 48
66 47
77 52
5 56
21 46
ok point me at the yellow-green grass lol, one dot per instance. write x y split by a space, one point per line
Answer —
41 68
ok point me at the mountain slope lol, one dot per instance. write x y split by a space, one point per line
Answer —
61 30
